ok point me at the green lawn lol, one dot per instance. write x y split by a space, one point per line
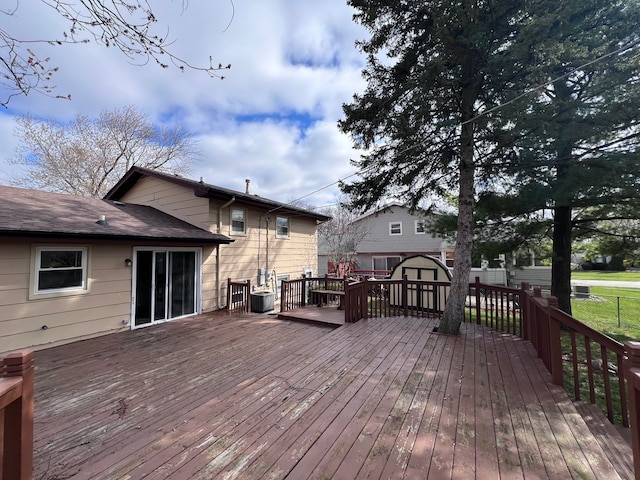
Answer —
601 312
598 275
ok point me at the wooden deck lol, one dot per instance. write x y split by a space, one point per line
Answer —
327 314
257 397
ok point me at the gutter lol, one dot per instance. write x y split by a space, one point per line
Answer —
220 208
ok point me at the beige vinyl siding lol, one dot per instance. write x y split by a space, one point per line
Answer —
208 280
70 317
173 199
241 259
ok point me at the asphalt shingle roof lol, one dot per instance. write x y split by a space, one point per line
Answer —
207 190
26 212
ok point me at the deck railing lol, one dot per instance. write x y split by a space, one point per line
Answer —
632 369
16 416
238 296
299 292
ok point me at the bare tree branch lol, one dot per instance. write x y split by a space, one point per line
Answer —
128 25
88 156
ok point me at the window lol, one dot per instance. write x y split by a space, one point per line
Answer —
282 227
395 228
60 269
420 230
238 222
385 263
279 281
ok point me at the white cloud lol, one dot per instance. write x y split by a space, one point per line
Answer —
273 119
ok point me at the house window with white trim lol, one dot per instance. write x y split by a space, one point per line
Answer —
238 221
395 228
60 269
279 281
385 263
420 230
282 227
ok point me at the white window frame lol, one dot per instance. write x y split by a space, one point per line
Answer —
279 280
71 290
198 280
393 226
244 222
419 223
281 235
386 261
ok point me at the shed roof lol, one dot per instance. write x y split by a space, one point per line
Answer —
202 189
26 212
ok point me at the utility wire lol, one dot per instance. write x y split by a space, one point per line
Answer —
534 89
486 112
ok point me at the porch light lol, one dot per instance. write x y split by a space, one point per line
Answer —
128 262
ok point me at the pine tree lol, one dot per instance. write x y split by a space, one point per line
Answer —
577 137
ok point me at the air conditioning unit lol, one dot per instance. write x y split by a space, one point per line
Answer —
262 302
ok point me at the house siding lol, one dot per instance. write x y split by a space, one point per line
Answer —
241 259
260 248
105 308
378 239
170 198
181 203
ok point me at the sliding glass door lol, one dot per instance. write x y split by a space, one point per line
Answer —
166 285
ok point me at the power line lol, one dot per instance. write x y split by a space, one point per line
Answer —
534 89
486 112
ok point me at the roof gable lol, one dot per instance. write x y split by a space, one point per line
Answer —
26 212
206 190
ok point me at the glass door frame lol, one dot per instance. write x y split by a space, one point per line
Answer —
197 282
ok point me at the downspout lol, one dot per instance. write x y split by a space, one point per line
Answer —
233 199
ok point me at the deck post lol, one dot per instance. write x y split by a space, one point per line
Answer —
17 460
632 370
555 346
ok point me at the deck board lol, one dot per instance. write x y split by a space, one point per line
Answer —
225 396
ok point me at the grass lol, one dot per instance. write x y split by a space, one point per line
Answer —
583 376
601 275
601 312
613 311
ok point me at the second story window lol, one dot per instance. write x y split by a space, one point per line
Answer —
420 227
282 227
395 228
238 222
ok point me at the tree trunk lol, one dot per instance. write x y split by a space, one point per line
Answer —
454 309
454 312
561 259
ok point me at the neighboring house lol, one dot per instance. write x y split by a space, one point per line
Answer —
159 247
272 241
75 267
395 234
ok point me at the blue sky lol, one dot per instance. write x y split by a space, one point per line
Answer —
272 119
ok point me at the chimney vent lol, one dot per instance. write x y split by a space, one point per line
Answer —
248 182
